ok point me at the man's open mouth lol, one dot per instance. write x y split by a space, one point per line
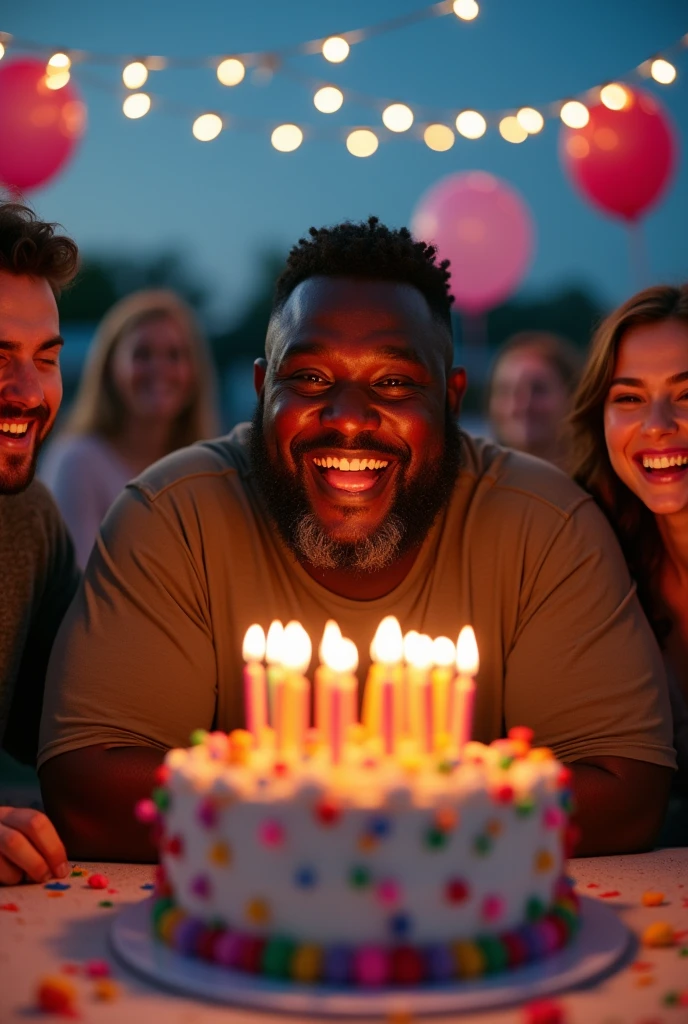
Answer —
16 433
351 474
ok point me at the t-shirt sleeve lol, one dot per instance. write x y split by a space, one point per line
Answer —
55 584
134 662
71 471
585 671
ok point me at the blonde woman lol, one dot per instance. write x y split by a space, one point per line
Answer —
148 388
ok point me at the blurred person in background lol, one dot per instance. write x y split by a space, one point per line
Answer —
630 451
148 388
529 391
37 568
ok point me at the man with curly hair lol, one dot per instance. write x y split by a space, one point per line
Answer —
353 495
37 565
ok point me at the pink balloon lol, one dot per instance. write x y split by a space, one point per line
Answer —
484 227
39 127
622 160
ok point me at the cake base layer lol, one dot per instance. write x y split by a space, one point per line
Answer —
369 967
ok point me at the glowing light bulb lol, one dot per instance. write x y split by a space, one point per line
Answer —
613 96
231 71
287 137
574 114
335 49
471 124
443 651
438 137
467 10
296 647
362 142
662 71
530 120
328 99
135 75
207 127
467 660
58 62
57 79
136 105
511 129
397 117
254 643
388 643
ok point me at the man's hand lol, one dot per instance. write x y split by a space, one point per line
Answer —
29 845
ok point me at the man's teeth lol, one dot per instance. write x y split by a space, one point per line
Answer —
14 428
352 466
665 462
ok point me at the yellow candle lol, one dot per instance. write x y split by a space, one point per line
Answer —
323 674
418 653
387 650
442 675
467 664
293 695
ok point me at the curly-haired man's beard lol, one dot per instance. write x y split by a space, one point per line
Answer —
415 507
17 469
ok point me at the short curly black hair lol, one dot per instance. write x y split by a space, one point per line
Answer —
369 250
32 247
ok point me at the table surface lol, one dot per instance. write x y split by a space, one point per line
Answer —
45 931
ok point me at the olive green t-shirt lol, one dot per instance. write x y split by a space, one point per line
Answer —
187 560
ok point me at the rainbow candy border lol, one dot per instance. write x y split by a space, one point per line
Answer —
369 966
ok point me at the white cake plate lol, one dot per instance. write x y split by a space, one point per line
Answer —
600 943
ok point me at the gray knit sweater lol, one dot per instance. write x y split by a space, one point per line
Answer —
38 578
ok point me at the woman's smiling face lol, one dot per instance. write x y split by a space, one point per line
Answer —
646 415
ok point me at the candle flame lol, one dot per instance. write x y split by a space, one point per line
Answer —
254 643
296 647
341 656
331 637
388 643
273 646
443 651
467 660
418 650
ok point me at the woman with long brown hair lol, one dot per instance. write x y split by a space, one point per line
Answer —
630 438
148 388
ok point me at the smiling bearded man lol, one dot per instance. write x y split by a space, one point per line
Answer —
353 496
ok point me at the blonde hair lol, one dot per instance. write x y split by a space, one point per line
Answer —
97 407
591 467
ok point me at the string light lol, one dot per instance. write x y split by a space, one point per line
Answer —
530 120
574 114
287 137
136 105
2 51
362 142
59 62
57 71
328 99
231 71
512 130
135 74
335 49
397 117
207 127
467 10
613 96
438 137
662 71
471 124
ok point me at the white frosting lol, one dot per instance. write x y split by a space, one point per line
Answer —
525 858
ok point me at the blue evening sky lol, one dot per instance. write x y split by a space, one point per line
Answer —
144 185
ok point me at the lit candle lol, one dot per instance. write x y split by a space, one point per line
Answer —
340 704
467 664
419 655
331 637
273 656
255 694
387 650
444 659
293 695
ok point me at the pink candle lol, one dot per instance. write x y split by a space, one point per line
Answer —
255 689
388 695
386 651
467 663
341 661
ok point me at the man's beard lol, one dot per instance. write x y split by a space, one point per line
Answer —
18 470
414 510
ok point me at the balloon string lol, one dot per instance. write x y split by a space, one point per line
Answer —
640 261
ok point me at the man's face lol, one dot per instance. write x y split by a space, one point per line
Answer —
30 382
355 441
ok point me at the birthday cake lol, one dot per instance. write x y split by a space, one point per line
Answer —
362 865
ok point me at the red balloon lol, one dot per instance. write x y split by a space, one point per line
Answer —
39 127
622 160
